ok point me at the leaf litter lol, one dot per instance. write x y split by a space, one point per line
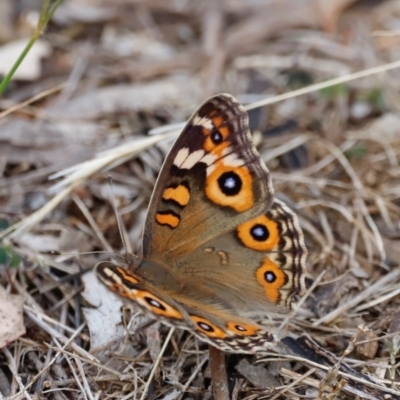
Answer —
334 155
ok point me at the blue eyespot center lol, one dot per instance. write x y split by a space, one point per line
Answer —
216 137
270 277
259 232
154 303
205 327
230 183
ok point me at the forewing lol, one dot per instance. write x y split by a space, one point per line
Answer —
212 180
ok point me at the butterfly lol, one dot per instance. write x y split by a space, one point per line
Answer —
219 250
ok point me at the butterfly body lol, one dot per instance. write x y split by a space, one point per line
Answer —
219 251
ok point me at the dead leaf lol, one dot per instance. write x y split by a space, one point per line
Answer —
11 317
104 319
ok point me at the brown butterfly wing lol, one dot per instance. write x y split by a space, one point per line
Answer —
255 269
212 180
209 322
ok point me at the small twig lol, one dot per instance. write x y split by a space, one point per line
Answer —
218 374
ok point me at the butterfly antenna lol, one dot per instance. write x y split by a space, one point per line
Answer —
121 227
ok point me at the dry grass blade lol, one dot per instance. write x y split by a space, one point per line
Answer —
332 82
157 362
39 96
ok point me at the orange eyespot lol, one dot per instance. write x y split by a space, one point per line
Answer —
272 278
260 233
242 329
206 327
156 305
231 187
216 138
